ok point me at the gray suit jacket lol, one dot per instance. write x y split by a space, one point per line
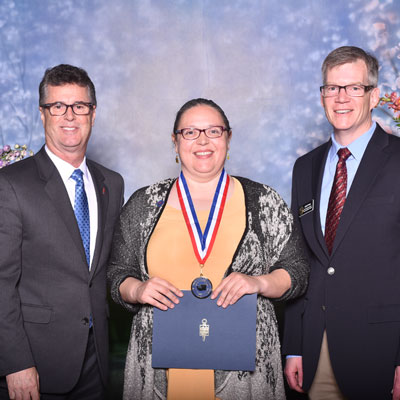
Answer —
46 290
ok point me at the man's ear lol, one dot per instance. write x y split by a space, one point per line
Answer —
374 98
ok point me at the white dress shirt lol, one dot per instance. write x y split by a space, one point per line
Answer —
65 169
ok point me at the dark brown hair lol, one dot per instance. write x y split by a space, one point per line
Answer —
198 102
64 74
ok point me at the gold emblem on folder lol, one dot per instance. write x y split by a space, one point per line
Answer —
204 330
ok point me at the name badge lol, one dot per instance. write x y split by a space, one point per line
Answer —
306 208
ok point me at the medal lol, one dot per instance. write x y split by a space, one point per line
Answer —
202 242
201 286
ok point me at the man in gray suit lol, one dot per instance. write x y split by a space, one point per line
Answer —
57 217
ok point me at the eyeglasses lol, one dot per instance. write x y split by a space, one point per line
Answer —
212 132
79 108
351 90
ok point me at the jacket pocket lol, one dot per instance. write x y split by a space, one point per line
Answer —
384 313
36 314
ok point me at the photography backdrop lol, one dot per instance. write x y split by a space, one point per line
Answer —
259 60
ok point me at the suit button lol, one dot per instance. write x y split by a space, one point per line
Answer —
323 308
90 284
331 271
85 321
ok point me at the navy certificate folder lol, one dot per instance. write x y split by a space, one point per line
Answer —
197 334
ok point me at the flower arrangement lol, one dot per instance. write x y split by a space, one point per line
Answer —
9 155
393 102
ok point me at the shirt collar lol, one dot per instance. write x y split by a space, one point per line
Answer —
357 147
64 168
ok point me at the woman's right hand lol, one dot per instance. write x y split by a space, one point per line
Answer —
155 291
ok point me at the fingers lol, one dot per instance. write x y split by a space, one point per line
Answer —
229 292
294 373
233 287
23 385
158 293
300 380
396 385
35 395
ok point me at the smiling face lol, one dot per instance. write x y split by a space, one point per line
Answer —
349 116
202 159
67 135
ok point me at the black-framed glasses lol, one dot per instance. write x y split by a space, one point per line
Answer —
213 132
79 108
354 90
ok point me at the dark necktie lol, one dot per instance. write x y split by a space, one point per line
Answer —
336 198
81 210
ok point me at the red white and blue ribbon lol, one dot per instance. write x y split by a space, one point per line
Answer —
203 242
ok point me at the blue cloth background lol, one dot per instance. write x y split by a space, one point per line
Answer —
260 60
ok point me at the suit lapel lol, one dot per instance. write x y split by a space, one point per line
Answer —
370 166
318 168
312 226
56 191
102 205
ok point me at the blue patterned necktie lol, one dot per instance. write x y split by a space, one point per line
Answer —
81 209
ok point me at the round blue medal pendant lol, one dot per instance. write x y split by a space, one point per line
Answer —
201 287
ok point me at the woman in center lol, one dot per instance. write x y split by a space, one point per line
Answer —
256 250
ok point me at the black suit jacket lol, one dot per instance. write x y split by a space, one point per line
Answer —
46 290
359 303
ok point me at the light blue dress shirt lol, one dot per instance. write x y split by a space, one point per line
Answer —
357 149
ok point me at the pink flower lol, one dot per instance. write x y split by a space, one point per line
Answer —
393 102
8 155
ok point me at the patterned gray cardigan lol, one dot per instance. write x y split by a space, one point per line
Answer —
269 242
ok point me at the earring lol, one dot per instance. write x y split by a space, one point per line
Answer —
177 159
227 155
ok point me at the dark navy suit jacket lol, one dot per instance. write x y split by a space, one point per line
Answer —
358 302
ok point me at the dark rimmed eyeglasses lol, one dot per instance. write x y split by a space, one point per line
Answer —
79 108
351 90
213 132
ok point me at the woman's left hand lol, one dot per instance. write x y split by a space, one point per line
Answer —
234 286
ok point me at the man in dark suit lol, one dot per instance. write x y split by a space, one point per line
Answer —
342 339
56 227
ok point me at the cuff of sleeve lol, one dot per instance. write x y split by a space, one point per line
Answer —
116 295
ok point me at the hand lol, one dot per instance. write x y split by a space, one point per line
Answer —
155 291
294 373
234 286
23 385
396 384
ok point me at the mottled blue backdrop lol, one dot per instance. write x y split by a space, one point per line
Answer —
260 60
